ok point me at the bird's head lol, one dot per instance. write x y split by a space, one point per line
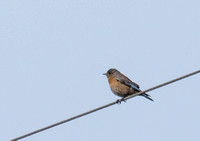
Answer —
111 72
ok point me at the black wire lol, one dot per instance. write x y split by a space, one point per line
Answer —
105 106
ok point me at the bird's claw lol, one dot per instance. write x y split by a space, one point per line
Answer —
119 101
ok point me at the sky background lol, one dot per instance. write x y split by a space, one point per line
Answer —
53 54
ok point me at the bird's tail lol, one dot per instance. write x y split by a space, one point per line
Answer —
147 96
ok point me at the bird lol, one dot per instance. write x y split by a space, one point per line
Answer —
122 86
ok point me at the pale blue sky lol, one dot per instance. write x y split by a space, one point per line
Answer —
53 54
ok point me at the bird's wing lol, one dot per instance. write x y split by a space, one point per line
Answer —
126 81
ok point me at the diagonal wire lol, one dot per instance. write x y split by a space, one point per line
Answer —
104 106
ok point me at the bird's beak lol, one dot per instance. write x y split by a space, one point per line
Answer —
104 73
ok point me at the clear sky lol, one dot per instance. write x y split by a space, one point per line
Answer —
53 54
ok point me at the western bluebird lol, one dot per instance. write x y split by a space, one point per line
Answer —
122 85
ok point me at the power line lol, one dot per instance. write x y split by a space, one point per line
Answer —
105 106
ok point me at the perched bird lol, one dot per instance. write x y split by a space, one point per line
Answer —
122 85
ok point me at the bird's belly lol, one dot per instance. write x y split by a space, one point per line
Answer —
120 89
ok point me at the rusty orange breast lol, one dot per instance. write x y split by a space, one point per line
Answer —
118 88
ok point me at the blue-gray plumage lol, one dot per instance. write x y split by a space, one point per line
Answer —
122 85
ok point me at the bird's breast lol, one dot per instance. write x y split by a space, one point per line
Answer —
118 88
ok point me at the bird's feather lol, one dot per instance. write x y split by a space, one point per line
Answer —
129 83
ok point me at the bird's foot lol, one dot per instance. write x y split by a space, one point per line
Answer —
119 101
